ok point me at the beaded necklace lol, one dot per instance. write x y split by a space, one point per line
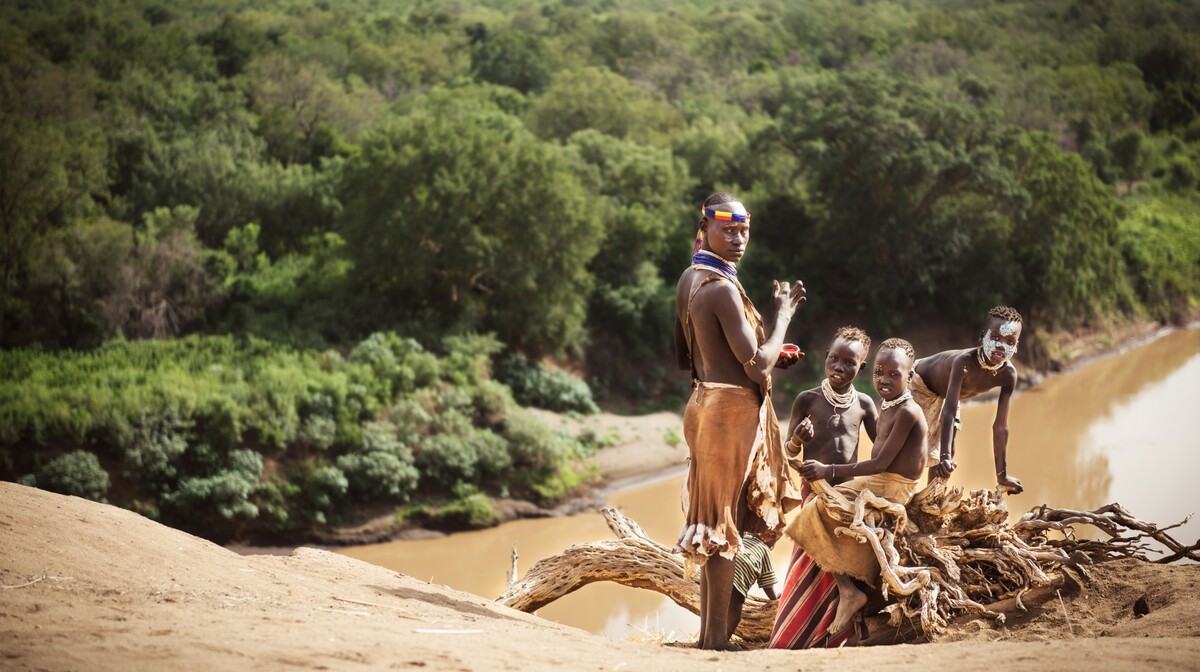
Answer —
838 401
897 401
983 362
706 259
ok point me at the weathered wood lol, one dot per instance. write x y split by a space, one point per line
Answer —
634 560
947 553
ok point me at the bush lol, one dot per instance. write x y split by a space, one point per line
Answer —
471 510
534 385
382 467
76 473
225 493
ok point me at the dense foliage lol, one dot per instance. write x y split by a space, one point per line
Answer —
229 436
271 183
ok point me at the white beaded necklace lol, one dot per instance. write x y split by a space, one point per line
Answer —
897 401
844 400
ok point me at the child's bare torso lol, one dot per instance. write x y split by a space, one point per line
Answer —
835 430
935 370
910 461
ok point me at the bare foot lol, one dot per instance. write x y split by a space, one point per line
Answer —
720 646
851 600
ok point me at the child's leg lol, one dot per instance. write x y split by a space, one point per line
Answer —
851 600
736 602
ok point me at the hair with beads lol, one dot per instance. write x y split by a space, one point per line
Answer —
899 344
854 334
1006 314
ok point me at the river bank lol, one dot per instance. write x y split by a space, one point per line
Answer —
92 586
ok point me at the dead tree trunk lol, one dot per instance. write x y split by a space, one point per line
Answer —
632 559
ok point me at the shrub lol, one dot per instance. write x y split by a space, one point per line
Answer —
226 493
76 473
471 510
382 467
534 385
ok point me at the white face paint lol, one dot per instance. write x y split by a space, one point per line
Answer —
992 345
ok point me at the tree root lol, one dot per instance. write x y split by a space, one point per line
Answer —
944 555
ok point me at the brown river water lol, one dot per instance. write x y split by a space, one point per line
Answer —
1118 429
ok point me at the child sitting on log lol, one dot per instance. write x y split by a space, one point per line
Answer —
825 425
897 461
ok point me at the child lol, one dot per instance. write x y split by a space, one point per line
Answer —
897 461
751 565
824 425
943 380
825 420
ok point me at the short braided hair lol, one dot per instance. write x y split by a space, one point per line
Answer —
718 198
899 344
1006 314
854 334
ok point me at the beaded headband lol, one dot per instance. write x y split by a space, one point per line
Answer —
723 216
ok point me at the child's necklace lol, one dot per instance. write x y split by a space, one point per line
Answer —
983 362
897 401
838 401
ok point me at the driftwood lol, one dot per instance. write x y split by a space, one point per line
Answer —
946 554
632 559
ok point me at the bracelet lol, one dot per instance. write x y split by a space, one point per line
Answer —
832 471
793 446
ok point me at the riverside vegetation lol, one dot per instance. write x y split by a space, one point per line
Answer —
265 265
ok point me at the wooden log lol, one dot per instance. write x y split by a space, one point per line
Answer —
634 560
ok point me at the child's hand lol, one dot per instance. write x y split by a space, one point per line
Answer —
804 430
1011 484
812 470
944 468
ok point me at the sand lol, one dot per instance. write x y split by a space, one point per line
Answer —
88 586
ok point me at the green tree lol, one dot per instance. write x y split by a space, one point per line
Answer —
604 101
458 216
51 165
519 60
890 166
642 196
1064 237
297 102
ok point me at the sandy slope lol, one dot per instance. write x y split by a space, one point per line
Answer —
93 587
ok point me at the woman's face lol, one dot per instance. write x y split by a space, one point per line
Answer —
727 239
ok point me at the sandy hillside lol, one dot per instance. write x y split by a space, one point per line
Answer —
93 587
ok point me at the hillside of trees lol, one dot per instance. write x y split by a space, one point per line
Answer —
264 263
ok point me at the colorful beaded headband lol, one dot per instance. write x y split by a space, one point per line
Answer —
722 216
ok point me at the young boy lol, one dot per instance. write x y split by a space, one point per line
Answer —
825 426
943 380
897 461
751 565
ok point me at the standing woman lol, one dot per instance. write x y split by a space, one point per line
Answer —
737 479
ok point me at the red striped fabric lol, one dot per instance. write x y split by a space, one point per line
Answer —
807 608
